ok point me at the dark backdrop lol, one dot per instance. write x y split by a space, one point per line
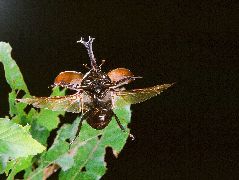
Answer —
189 132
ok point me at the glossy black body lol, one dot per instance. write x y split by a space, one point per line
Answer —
99 108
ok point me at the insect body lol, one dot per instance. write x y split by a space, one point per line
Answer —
95 92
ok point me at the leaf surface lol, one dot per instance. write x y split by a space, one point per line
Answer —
40 123
18 165
16 141
85 159
91 144
14 78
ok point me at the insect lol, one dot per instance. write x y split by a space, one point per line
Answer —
95 92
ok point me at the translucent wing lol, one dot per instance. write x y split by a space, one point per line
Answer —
71 103
140 95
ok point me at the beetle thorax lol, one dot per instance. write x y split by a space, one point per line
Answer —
96 83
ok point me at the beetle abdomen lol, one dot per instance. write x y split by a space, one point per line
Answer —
99 118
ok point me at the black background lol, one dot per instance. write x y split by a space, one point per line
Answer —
189 132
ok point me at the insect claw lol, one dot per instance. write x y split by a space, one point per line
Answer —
52 86
132 137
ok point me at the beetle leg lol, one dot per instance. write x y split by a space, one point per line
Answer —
83 117
102 62
118 122
121 127
72 87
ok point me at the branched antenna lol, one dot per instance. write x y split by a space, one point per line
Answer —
88 46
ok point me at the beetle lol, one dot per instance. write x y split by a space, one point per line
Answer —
95 92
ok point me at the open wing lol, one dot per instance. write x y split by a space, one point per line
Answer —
140 95
70 103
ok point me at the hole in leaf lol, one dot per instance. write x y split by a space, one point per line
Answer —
61 88
55 175
68 140
34 165
83 169
51 172
51 138
53 135
20 175
99 136
20 93
9 172
27 109
68 118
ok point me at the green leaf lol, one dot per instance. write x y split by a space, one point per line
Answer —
89 158
87 152
3 163
85 159
45 121
14 78
18 165
15 140
41 122
58 153
12 72
48 119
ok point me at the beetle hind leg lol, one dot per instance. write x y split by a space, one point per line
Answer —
122 127
83 117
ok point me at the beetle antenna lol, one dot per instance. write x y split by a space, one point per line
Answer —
102 62
86 66
88 46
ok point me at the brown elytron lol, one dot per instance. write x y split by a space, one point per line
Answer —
95 92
